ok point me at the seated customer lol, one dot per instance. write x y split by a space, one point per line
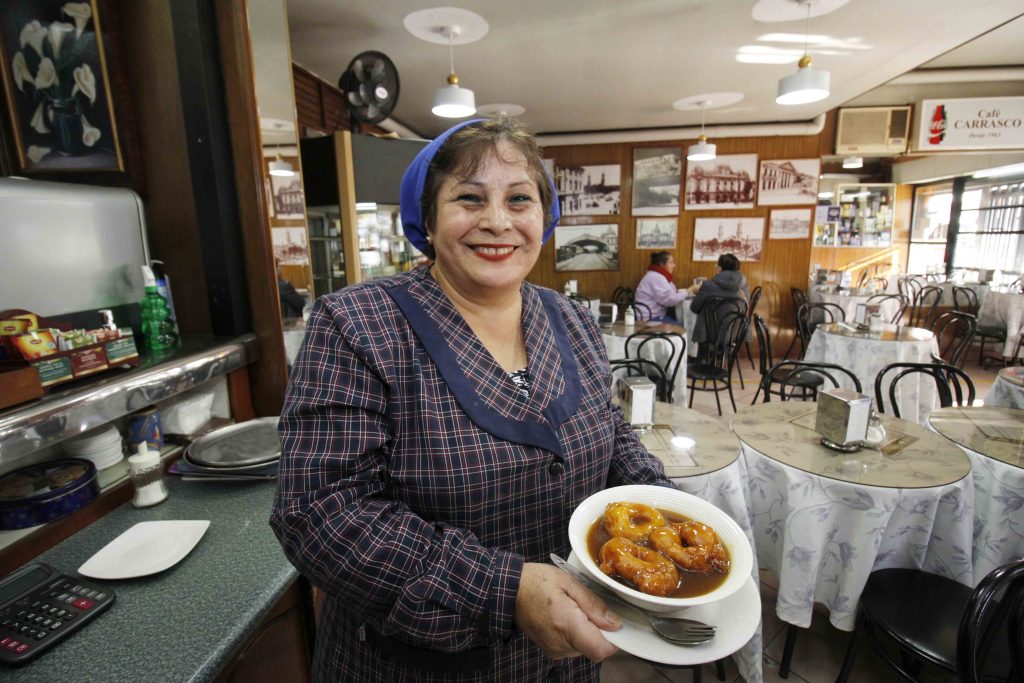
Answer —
658 292
728 283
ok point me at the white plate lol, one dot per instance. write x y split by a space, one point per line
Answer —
146 548
736 618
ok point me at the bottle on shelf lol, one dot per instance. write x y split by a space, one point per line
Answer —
157 329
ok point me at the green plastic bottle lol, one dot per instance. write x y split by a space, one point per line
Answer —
157 328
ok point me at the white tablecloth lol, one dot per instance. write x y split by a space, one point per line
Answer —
1002 309
866 357
1005 393
615 345
688 319
947 291
822 538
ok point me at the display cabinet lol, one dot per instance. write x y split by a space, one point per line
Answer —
865 215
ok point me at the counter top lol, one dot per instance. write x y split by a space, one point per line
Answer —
185 623
60 414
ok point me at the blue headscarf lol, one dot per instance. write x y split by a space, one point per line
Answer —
415 177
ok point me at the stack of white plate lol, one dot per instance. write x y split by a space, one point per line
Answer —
101 445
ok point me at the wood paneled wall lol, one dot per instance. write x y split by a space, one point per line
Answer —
784 264
321 106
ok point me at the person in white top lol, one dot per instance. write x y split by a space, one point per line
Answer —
658 292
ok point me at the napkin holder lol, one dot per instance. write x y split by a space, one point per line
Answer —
607 314
842 419
636 398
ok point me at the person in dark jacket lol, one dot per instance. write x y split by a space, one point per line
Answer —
292 302
728 283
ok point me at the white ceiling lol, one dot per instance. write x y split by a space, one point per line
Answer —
598 65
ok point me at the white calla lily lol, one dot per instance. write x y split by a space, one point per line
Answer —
20 70
33 34
58 30
85 82
90 134
36 153
81 12
47 74
38 122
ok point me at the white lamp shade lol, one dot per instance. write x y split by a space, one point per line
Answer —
701 151
806 85
853 162
281 168
454 102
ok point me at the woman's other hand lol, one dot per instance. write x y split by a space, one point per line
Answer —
561 616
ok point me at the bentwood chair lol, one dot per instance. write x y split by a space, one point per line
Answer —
755 297
923 307
623 296
676 347
882 298
710 317
799 298
641 367
809 316
909 287
954 331
767 364
716 363
930 620
801 374
965 300
953 385
879 283
642 311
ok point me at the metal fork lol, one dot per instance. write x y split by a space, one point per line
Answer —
676 630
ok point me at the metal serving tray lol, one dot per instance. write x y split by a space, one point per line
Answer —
239 445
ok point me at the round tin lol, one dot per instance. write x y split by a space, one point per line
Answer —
46 491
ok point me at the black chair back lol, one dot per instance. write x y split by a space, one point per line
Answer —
952 384
965 300
882 298
641 367
995 609
710 319
799 297
908 287
923 311
954 332
642 311
796 374
755 297
879 283
809 316
673 359
623 296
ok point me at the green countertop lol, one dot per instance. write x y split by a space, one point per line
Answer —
182 624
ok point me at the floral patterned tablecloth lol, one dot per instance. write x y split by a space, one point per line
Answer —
1008 389
1005 310
822 533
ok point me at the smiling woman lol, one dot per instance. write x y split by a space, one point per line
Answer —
440 427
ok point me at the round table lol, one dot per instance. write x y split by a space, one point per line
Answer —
1006 310
848 299
712 470
865 353
1008 389
993 439
823 521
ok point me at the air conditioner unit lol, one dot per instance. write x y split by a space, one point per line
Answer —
873 130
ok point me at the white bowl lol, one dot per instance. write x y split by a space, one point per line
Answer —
672 500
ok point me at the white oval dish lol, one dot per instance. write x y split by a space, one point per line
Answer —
144 549
663 498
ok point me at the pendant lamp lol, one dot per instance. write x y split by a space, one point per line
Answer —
702 150
853 162
452 101
807 84
280 167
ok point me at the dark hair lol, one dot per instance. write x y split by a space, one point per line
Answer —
728 262
462 154
660 258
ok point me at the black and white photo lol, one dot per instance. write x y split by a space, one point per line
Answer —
656 233
725 182
588 190
288 197
788 181
789 224
587 247
743 237
656 175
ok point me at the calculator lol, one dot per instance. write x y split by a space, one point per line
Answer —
39 607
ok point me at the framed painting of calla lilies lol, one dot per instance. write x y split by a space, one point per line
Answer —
57 87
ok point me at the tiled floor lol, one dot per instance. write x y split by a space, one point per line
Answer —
820 649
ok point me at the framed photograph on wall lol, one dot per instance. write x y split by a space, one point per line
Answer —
725 182
788 181
290 246
57 87
656 176
743 237
789 224
289 200
588 190
656 233
587 247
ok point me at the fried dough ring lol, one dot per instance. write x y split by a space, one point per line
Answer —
648 570
691 545
634 521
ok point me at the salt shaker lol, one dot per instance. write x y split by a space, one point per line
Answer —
147 474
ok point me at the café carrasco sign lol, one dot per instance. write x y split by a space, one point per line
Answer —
971 123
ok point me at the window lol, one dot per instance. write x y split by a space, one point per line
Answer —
932 205
991 234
